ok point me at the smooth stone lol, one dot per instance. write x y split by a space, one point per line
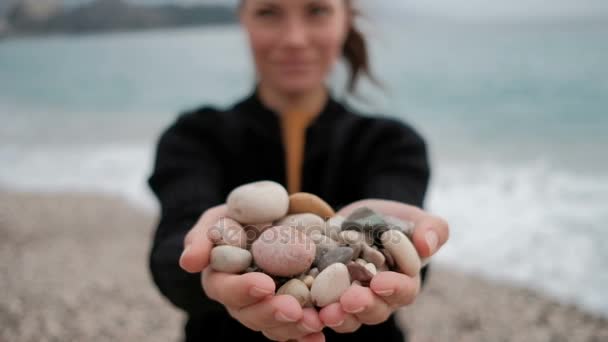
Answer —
359 272
303 202
366 220
333 226
372 268
283 251
330 284
403 251
310 224
361 261
227 231
324 244
406 227
353 236
230 259
339 254
308 280
373 255
297 289
354 240
258 202
389 258
314 272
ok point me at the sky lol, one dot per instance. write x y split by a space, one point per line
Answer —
448 8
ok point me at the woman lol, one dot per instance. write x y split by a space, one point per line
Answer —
349 160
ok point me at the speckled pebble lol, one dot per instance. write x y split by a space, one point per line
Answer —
230 259
297 289
330 284
258 202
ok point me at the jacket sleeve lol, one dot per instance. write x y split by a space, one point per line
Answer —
186 179
395 165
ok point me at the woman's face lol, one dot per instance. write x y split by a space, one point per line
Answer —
295 43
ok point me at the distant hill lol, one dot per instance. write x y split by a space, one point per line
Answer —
118 15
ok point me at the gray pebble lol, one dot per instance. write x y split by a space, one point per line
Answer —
230 259
337 255
366 220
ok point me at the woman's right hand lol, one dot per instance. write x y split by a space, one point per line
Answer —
249 298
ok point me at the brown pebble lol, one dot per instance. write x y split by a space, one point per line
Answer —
359 272
303 202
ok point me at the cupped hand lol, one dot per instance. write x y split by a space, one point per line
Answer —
249 298
387 291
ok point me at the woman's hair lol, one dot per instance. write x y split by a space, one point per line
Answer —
354 51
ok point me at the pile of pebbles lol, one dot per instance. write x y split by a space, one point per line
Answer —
312 254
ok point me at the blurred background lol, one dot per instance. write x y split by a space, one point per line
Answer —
512 98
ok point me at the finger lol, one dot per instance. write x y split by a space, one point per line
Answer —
315 337
394 288
309 324
271 312
365 305
430 234
424 222
237 291
197 245
335 318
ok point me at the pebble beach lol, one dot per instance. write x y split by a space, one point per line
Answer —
74 268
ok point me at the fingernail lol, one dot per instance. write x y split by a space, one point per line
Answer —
355 311
385 293
431 240
335 325
259 293
279 316
186 249
305 328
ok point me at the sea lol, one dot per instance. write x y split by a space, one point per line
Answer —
515 116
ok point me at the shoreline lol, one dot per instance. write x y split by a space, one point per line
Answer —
77 270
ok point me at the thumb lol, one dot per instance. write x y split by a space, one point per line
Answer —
197 246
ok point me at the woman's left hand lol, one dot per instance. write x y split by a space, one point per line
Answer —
387 291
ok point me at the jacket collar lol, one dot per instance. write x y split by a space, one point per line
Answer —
267 121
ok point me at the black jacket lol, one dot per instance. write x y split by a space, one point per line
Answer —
208 152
